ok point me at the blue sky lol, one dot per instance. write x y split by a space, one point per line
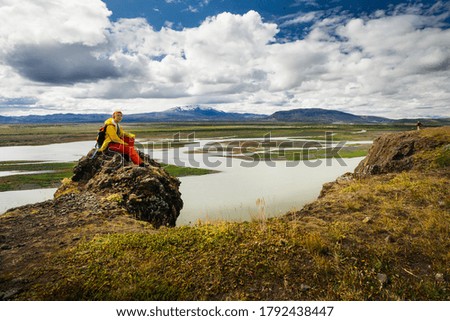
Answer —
384 58
181 14
190 13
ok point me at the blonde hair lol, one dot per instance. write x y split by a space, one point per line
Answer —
116 112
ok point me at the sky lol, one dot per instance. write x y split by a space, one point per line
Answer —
381 58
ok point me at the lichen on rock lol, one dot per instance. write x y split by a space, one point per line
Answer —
149 193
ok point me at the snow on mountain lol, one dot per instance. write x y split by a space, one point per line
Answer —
190 108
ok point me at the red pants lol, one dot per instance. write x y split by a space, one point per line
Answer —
126 150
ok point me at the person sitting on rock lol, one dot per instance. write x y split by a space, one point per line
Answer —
118 140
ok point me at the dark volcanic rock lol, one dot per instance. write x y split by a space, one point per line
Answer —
149 193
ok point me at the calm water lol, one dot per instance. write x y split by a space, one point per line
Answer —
233 195
242 189
17 198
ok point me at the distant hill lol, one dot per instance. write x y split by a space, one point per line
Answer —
324 116
53 119
186 113
198 113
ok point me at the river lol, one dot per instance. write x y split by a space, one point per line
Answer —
242 190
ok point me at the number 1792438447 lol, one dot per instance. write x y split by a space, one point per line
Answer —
295 311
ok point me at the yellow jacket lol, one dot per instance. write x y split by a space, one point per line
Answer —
113 134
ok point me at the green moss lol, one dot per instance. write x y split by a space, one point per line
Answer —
443 157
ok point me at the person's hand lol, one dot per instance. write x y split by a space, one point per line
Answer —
132 136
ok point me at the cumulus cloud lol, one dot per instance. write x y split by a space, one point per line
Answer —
394 63
222 55
55 41
399 57
42 21
59 64
386 64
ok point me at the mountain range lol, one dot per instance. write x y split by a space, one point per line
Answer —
200 114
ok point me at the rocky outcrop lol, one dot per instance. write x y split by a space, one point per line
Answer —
394 153
148 193
107 194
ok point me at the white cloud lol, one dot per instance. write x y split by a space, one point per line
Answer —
387 64
300 18
225 52
404 60
303 2
42 21
220 56
55 41
192 9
